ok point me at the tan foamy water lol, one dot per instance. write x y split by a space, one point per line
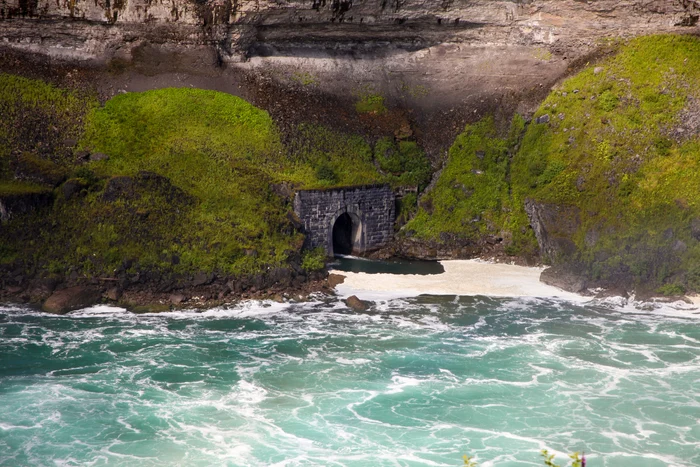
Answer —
461 277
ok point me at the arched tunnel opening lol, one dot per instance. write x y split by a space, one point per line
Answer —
343 231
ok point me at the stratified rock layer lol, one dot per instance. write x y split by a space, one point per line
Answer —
463 46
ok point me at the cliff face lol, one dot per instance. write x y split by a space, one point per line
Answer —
450 61
97 29
230 31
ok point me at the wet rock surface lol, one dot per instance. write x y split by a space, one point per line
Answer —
72 298
356 304
564 278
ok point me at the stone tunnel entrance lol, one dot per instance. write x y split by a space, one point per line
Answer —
352 220
347 234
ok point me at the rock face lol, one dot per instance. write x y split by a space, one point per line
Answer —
72 298
243 28
356 304
20 203
554 226
564 278
432 54
334 280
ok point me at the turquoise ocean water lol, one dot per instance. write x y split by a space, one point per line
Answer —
413 382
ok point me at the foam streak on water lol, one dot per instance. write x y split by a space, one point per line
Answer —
415 382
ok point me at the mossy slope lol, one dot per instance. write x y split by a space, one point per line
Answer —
623 147
187 184
470 198
612 167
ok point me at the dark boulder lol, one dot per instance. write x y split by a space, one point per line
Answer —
695 229
202 278
564 278
41 289
177 298
73 187
118 187
281 276
356 304
20 203
72 298
14 289
113 294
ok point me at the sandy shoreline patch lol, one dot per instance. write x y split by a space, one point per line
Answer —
461 277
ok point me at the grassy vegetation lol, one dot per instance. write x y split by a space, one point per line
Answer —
620 148
39 118
471 198
403 163
185 188
12 187
313 260
187 185
320 158
613 150
369 101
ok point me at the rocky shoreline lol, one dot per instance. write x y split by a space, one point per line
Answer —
147 293
204 291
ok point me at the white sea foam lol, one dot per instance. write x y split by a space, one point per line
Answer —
97 310
476 277
352 361
421 382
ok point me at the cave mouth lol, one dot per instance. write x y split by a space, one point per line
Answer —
343 235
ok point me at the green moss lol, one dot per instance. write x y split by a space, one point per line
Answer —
610 150
325 173
321 158
543 54
12 187
315 151
404 163
304 78
220 151
415 91
406 208
40 118
369 101
471 196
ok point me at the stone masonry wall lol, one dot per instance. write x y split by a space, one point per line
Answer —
372 205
